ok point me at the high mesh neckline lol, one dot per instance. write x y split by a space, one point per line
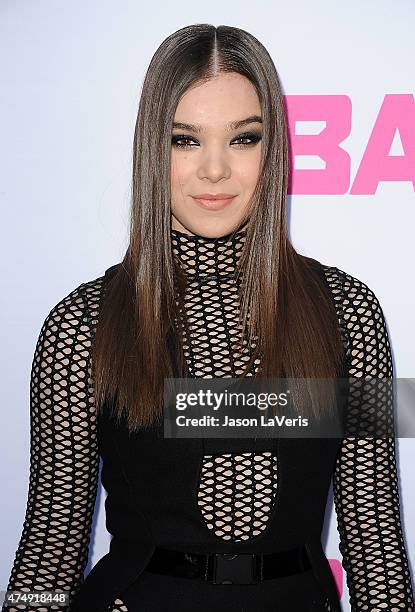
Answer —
205 258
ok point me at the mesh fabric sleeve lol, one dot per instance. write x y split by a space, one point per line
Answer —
365 479
64 461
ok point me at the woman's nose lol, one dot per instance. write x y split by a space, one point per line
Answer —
214 165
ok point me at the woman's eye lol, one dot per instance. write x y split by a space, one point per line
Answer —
253 137
182 141
176 141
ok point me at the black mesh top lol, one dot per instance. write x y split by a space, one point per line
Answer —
236 492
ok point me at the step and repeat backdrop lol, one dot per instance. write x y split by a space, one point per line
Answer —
71 75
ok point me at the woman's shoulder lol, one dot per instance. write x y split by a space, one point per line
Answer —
356 301
344 285
80 305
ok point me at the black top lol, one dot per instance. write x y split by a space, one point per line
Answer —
237 486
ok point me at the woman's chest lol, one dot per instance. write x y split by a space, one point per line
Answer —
233 489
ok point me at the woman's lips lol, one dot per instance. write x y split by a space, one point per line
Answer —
216 204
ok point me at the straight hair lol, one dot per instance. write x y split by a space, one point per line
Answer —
291 312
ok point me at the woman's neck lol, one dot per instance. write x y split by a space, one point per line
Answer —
199 256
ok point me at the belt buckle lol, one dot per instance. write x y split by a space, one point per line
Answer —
230 568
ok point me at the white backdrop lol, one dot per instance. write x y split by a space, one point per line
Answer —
71 75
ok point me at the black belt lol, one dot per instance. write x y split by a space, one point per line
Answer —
229 568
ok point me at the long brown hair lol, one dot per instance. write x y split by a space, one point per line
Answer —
292 315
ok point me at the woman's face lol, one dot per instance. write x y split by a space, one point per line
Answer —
209 155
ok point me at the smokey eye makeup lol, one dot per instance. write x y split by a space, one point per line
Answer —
247 139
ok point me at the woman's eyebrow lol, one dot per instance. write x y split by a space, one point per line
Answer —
232 125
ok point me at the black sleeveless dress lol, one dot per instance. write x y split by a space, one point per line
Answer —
205 495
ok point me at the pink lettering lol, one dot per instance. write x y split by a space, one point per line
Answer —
396 116
396 113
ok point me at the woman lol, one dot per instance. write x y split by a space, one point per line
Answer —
210 286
